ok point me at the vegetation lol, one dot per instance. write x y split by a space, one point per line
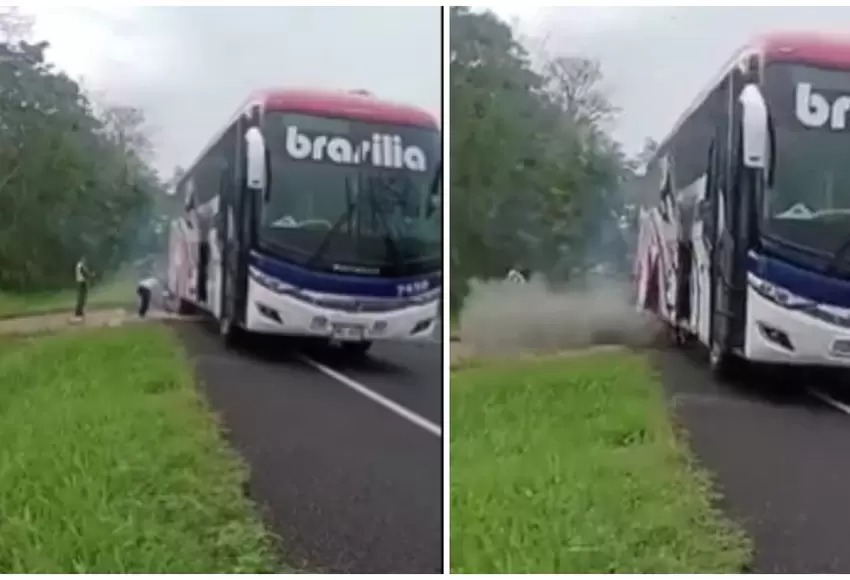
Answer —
535 175
110 463
119 291
74 178
572 466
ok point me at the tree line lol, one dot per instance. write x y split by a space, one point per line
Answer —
75 176
536 177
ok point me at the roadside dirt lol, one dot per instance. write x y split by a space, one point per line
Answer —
462 353
63 322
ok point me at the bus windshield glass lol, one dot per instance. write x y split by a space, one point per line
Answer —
808 205
352 197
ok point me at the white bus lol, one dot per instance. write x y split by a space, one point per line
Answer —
315 214
746 244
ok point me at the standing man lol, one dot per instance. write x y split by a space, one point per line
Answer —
82 275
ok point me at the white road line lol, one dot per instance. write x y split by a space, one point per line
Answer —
403 412
843 407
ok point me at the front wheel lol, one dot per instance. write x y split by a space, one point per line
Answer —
723 364
357 348
229 332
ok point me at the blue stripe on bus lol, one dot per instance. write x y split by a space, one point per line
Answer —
804 283
348 285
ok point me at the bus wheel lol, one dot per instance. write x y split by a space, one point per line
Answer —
184 307
723 364
357 348
229 332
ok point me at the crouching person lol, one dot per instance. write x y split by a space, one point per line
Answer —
145 291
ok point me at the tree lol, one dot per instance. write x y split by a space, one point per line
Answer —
69 185
574 85
534 172
650 147
125 127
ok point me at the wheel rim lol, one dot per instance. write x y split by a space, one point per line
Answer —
715 355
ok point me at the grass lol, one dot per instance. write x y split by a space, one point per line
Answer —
119 291
111 464
572 466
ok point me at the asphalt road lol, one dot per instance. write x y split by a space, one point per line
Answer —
345 455
780 456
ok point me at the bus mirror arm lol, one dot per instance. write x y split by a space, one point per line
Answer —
268 170
770 173
704 209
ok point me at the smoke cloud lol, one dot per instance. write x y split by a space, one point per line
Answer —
501 317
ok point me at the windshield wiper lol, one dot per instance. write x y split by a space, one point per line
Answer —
346 216
837 255
389 241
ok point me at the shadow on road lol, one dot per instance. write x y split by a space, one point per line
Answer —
775 386
284 349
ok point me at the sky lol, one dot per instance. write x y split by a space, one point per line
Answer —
656 60
189 68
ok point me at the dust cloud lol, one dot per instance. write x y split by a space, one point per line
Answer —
501 317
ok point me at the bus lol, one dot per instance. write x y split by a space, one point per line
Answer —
314 214
744 233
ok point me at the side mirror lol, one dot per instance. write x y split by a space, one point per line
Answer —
255 154
754 122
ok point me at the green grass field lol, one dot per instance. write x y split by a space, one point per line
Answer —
572 465
118 291
110 463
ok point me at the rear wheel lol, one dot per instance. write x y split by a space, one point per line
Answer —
357 348
184 307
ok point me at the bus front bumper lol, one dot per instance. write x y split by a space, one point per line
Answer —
273 313
780 335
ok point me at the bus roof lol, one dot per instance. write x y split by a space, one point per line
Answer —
348 104
805 47
832 50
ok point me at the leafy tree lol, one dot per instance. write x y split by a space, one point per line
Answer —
72 183
535 175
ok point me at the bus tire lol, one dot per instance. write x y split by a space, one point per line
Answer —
184 307
357 348
229 332
723 364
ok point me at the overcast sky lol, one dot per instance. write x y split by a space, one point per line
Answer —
189 68
656 60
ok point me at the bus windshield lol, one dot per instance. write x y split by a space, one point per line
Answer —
352 197
808 204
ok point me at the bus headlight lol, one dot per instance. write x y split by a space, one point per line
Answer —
782 296
269 282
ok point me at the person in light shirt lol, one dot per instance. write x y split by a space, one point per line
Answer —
82 276
145 290
518 275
